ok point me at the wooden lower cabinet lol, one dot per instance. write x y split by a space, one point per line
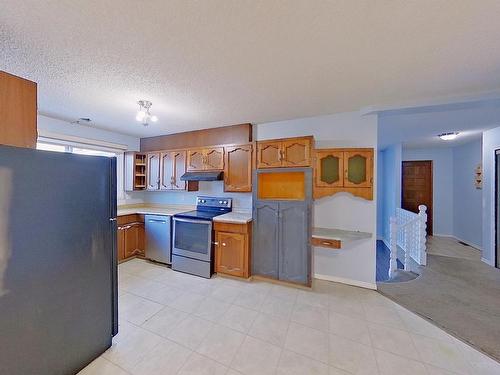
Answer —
130 237
232 249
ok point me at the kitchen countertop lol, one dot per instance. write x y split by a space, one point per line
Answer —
237 217
167 210
339 234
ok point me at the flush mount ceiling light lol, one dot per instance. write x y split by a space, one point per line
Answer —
448 136
144 115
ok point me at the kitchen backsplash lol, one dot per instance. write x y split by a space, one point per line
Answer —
242 201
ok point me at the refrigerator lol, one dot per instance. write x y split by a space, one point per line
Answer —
58 264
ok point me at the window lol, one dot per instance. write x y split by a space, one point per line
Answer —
50 147
74 149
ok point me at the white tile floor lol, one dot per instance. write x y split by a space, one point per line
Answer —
172 323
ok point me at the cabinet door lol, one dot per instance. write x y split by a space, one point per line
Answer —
238 168
214 158
358 168
269 154
120 243
265 239
153 171
329 169
134 240
296 152
294 249
196 160
230 256
166 171
179 168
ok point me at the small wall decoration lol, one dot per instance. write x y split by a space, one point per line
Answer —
478 177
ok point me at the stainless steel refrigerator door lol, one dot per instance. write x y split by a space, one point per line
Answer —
158 238
56 260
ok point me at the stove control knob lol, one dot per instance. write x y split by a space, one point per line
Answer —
202 200
220 202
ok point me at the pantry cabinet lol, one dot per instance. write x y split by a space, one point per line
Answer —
287 152
344 170
232 248
238 168
205 159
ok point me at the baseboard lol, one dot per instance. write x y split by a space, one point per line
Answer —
342 280
488 262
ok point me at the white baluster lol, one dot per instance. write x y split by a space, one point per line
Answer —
393 265
422 234
407 250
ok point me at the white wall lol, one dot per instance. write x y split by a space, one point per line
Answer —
467 200
491 142
354 264
389 189
442 166
49 125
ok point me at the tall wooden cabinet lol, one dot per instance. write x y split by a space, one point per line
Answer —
344 170
282 226
238 168
18 111
287 152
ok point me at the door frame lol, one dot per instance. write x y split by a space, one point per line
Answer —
430 162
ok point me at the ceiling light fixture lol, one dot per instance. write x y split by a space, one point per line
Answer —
448 136
143 115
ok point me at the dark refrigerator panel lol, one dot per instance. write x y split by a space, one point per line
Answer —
57 260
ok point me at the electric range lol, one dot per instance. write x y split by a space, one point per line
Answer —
193 250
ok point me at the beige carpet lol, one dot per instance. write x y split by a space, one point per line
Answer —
457 292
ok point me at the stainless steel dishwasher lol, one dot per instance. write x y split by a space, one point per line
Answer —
158 238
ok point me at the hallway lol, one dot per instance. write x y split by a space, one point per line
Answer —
457 291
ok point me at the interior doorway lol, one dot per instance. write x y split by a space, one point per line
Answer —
497 208
416 188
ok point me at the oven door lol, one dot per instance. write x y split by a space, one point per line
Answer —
193 238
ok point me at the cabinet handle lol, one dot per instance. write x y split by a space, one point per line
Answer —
223 244
326 243
216 243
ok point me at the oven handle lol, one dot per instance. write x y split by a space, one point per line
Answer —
193 221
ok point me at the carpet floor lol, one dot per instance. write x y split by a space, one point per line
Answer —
457 292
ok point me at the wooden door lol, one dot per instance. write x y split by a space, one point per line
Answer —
166 171
18 116
417 188
238 168
329 168
195 160
269 154
294 248
120 243
230 256
214 158
296 152
179 168
153 171
358 168
265 239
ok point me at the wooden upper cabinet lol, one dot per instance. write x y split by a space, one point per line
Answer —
288 152
135 171
166 171
211 158
269 154
153 171
179 168
358 168
296 152
238 168
214 158
344 170
18 106
329 169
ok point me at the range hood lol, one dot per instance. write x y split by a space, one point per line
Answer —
201 176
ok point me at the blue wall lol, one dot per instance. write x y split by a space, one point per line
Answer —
491 142
467 200
442 165
389 188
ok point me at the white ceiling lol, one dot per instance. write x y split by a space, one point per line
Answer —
220 62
